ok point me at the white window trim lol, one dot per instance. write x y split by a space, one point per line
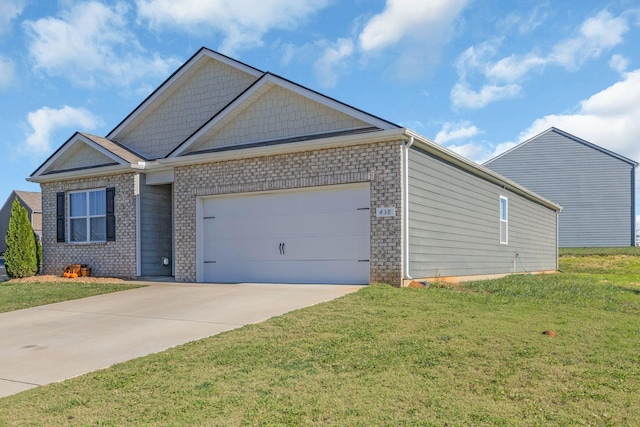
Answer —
88 217
504 241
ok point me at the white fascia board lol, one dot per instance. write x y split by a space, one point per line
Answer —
231 62
160 176
81 173
104 151
331 103
478 170
292 147
67 145
277 81
176 76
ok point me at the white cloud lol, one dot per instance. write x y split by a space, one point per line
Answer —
90 43
504 76
7 72
46 120
513 68
597 34
619 63
610 118
242 22
469 151
326 67
454 131
408 18
463 96
463 133
9 10
478 152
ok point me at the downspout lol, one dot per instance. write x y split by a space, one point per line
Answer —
557 240
137 190
405 205
633 205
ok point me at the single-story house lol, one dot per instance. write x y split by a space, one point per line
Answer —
595 186
32 202
226 173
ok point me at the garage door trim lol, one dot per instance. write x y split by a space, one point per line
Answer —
202 200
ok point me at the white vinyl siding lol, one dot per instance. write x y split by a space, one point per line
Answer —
87 216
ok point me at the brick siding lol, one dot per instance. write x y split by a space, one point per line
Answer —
379 164
113 259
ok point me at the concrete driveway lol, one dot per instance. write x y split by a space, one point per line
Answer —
54 342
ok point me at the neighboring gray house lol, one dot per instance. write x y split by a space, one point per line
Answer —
32 202
226 173
594 186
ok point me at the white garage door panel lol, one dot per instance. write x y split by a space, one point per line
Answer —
296 203
311 236
279 272
342 248
342 223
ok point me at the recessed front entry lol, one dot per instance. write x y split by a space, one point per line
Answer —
316 235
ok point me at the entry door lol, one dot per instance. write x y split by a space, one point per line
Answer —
318 235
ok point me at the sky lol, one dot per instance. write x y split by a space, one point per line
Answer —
477 76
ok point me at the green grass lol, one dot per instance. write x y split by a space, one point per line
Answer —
16 295
628 250
473 354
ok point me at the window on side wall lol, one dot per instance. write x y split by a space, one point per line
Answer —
504 220
88 216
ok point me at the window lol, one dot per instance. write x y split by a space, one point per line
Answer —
88 216
504 220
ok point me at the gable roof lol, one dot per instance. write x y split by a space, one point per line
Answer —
263 84
84 154
115 155
159 94
32 200
569 136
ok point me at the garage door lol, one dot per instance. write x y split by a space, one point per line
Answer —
318 235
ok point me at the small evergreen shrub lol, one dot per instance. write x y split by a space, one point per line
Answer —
20 258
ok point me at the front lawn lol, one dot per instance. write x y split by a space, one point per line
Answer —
466 355
16 295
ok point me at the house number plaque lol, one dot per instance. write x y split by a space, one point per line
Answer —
381 212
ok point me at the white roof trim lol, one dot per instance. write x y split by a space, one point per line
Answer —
478 170
82 173
357 139
76 138
290 147
203 52
271 79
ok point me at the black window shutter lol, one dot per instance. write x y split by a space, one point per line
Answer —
60 217
111 214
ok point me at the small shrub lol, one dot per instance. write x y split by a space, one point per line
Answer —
20 258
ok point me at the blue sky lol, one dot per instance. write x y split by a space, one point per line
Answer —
475 76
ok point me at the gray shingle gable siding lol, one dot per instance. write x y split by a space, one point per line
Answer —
594 186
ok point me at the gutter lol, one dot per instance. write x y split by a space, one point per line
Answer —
483 172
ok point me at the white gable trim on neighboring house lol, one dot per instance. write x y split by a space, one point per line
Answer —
176 76
267 81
